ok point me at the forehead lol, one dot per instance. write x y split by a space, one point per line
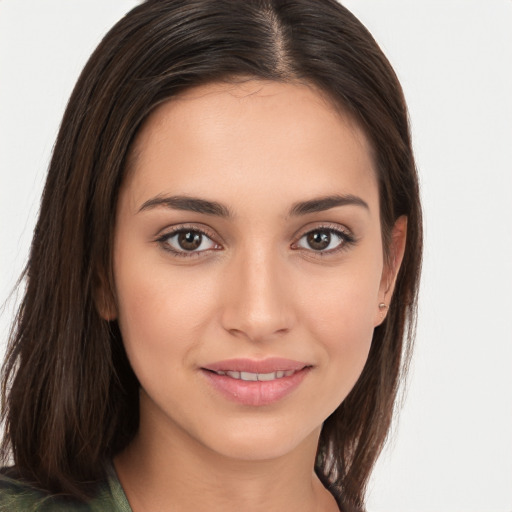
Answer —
254 137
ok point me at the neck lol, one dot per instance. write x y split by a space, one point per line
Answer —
166 469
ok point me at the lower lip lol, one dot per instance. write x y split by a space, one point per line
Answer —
255 393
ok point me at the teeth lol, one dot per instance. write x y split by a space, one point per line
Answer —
267 376
253 377
248 376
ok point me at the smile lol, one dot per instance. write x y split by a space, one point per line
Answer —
252 382
249 376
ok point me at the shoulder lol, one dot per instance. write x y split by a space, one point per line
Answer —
18 496
15 495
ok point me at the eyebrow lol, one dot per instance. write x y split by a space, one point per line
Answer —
194 204
190 204
322 204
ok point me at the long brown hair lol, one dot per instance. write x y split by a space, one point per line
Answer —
70 398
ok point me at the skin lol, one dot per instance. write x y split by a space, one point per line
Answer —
255 288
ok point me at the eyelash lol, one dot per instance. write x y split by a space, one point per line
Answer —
346 240
164 239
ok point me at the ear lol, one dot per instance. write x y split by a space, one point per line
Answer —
104 300
391 267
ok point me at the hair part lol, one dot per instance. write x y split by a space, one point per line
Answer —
69 395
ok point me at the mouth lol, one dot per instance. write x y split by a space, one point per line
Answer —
253 377
256 383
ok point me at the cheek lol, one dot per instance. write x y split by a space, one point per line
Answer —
345 301
345 331
341 319
164 311
158 312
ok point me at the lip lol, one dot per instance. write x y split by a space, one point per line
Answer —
255 393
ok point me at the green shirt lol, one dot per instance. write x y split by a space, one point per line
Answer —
15 496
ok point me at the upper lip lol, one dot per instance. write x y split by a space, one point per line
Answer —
268 365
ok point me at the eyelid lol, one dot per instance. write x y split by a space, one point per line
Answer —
192 226
171 231
338 230
343 232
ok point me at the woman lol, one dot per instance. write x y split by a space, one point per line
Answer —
222 283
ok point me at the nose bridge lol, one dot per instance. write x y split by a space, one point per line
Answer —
258 304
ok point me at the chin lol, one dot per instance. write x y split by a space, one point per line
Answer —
260 441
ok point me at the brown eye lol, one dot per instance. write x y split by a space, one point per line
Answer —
189 240
325 240
318 240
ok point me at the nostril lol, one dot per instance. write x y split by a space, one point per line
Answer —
258 333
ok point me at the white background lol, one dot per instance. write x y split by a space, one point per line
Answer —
452 450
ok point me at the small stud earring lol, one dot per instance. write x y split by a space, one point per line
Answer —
382 309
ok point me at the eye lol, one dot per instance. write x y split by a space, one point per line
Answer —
324 240
186 241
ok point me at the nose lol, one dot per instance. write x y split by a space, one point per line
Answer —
257 298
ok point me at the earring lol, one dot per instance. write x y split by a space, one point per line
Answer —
382 308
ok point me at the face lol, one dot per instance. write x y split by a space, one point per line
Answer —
248 265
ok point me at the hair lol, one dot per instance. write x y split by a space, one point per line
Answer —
69 395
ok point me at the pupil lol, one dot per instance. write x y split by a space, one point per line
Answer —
189 240
319 240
